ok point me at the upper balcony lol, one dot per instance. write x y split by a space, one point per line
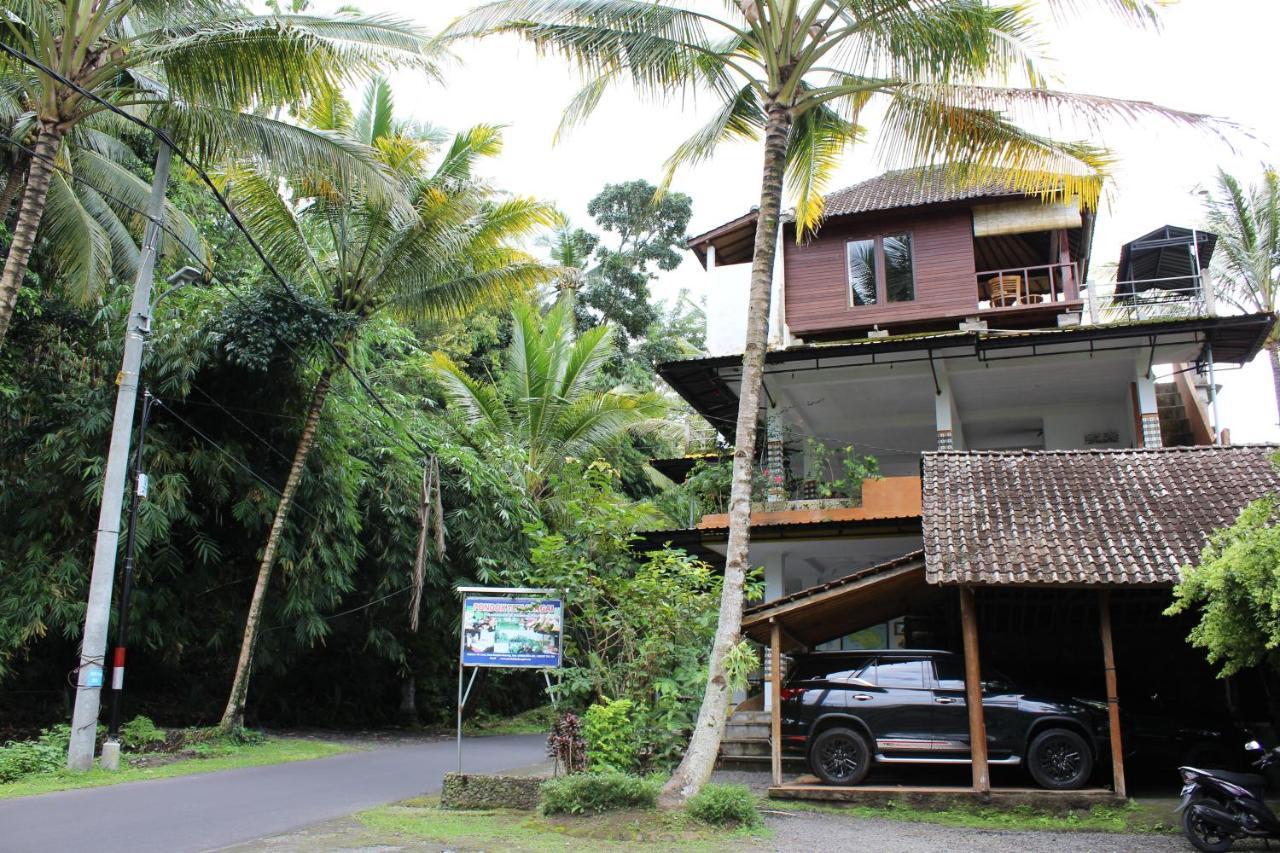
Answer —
908 252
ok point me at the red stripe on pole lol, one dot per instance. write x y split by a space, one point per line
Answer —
118 658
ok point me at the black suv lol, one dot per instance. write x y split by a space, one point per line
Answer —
845 710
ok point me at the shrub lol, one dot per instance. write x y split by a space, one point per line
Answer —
724 804
592 793
141 733
566 744
46 753
611 734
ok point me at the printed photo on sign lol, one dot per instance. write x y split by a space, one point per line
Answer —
517 632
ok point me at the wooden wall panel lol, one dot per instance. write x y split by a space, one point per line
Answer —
817 290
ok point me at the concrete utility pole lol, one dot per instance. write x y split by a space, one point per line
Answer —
93 648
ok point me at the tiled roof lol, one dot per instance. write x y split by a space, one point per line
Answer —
1083 517
860 575
909 188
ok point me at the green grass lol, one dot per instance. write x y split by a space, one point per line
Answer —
423 820
536 721
1130 817
216 757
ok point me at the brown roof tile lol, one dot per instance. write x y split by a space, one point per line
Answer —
909 188
1083 516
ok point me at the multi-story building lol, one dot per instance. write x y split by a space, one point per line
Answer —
924 317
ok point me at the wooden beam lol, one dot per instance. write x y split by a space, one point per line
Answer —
1113 703
973 692
775 693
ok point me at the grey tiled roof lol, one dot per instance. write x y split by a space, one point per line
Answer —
1083 517
908 188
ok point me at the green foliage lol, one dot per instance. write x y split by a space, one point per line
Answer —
592 793
721 805
46 753
1236 588
140 733
609 728
844 469
637 627
650 233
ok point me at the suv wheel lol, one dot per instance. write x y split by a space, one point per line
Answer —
1059 759
840 757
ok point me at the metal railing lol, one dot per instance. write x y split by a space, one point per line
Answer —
1023 287
700 440
1153 299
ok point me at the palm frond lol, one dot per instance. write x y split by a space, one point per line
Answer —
81 246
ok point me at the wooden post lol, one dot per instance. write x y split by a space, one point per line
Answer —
775 693
973 692
1113 703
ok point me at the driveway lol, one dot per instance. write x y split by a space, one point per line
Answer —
213 810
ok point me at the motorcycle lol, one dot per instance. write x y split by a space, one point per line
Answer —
1219 807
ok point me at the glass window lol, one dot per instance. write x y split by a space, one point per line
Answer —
828 669
899 276
899 673
861 257
950 672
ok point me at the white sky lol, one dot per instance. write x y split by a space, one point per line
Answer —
1210 56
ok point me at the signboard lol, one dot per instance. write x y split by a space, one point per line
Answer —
512 631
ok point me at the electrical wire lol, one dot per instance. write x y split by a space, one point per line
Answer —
239 225
366 606
236 460
209 272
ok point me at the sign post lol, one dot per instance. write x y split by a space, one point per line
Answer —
510 628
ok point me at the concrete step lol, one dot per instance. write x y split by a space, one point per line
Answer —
738 747
751 717
738 730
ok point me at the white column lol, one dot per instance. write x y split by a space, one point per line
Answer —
945 413
1148 411
779 336
774 567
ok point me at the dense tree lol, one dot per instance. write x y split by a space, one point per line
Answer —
649 235
1247 260
200 68
545 410
437 246
802 74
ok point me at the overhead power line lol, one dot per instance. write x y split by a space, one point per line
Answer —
211 273
182 155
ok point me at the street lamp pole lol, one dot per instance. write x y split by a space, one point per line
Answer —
93 646
126 587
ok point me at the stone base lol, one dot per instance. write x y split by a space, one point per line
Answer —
484 791
110 759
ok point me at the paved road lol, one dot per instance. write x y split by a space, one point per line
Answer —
213 810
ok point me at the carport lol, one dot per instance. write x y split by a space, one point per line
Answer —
1077 531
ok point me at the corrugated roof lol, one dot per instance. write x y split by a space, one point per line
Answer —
1083 516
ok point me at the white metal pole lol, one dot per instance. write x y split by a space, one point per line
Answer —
93 647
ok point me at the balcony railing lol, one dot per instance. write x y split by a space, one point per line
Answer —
1026 287
1154 299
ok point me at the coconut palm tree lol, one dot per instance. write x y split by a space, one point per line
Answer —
433 250
1247 260
198 67
951 77
570 248
547 407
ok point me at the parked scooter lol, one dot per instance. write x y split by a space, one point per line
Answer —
1220 807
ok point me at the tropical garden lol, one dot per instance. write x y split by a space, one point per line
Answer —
392 377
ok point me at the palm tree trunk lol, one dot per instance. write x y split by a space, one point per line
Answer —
699 759
233 716
1273 350
29 216
12 184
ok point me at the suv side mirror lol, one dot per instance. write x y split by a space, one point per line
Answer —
995 685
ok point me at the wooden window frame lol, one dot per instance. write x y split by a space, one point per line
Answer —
882 285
